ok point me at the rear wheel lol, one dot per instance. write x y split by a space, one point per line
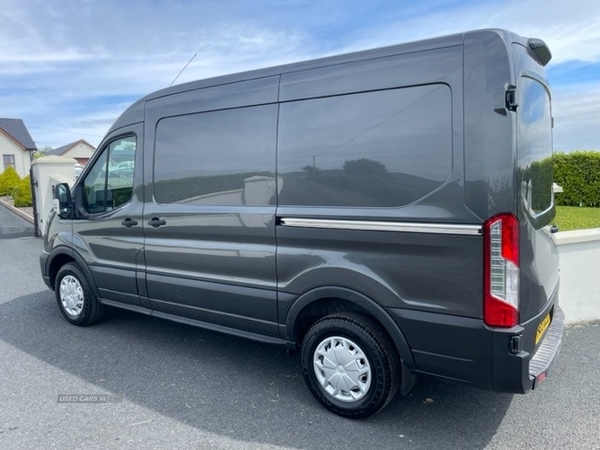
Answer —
75 297
350 365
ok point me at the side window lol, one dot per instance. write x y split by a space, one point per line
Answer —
109 183
375 149
217 158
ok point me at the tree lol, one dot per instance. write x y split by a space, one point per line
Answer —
41 151
22 193
365 166
311 171
9 180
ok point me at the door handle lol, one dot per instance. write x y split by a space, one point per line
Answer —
156 222
129 222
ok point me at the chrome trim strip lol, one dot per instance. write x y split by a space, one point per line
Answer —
402 227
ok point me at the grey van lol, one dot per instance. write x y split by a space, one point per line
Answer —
388 213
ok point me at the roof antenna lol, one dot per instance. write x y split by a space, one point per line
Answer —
185 67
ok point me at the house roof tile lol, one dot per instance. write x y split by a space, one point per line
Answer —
16 129
60 150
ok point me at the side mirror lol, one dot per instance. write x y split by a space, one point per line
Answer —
62 200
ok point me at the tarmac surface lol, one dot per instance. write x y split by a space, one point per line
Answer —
133 381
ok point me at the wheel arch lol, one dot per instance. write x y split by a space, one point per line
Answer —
323 301
61 256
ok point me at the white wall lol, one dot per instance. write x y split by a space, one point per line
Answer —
81 150
579 294
9 147
47 172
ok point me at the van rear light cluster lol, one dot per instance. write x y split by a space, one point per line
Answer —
501 271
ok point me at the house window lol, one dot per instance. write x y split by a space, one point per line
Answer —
9 161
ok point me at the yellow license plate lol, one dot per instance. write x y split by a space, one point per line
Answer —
541 329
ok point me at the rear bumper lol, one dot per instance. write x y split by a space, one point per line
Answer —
465 350
544 357
521 367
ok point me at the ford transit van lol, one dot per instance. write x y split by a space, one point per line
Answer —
388 213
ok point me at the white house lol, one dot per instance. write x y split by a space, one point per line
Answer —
80 150
16 146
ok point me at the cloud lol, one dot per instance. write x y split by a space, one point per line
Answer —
75 65
576 112
64 59
571 29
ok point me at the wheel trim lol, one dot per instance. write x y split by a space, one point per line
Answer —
71 296
342 369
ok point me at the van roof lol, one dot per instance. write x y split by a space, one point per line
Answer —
135 112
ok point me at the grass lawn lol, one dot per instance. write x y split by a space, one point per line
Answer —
576 218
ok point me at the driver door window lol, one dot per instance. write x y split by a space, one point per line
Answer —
109 183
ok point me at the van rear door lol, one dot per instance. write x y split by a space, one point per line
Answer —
538 253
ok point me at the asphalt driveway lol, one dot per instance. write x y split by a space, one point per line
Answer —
174 386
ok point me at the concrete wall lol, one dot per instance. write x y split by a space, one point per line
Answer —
579 274
49 171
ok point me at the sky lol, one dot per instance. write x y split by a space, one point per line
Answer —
69 68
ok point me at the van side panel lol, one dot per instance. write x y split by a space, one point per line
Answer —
421 271
213 259
490 142
442 65
436 273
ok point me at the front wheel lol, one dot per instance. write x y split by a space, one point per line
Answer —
350 365
75 296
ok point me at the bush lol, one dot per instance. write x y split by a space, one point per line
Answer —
22 193
579 175
9 180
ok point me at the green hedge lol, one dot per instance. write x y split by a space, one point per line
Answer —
579 175
22 193
9 181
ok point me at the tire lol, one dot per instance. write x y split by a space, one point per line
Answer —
75 296
367 375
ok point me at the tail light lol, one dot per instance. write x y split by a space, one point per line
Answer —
501 271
